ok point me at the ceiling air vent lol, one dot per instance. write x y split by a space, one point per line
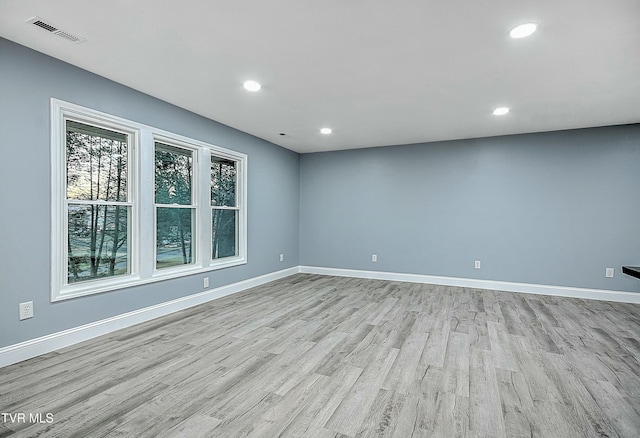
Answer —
49 27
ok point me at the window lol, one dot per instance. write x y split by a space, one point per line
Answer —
94 202
98 203
224 208
175 209
228 208
125 204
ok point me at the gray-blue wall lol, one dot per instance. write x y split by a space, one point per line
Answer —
552 208
28 80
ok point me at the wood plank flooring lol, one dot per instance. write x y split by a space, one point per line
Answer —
318 356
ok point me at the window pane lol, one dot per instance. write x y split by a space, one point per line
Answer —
173 175
96 163
225 233
223 182
98 242
173 237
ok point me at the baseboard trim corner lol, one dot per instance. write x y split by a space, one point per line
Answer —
529 288
35 347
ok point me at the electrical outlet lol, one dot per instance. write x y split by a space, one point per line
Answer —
477 264
282 257
608 272
26 310
205 282
374 258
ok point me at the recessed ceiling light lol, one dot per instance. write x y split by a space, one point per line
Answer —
252 85
500 111
326 131
524 30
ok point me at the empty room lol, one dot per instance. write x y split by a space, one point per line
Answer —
320 219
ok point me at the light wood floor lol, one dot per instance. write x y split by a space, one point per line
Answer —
315 356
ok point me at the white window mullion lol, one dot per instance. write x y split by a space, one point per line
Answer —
242 201
195 200
204 200
146 213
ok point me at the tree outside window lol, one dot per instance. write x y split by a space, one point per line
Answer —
175 212
224 207
126 199
98 207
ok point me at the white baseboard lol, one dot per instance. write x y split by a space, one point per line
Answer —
539 289
55 341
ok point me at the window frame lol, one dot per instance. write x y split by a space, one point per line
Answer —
141 196
60 287
241 207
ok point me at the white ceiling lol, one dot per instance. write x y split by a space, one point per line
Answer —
378 72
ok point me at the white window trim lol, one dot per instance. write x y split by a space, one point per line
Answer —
141 182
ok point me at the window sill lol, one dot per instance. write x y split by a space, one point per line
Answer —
100 286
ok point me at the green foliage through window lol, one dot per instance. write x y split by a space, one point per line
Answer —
174 167
223 182
97 245
174 226
129 203
225 210
98 227
225 233
174 237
